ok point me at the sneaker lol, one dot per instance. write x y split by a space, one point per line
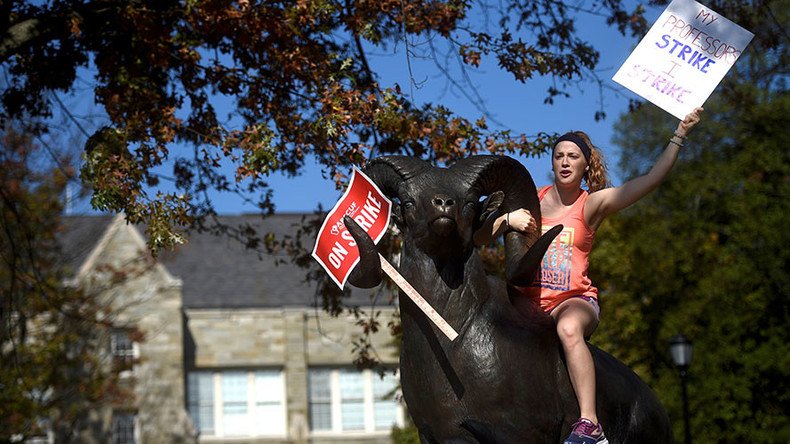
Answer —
585 431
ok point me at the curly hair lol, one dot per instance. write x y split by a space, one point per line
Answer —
597 176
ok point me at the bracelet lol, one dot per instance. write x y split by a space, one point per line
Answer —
507 220
681 136
678 143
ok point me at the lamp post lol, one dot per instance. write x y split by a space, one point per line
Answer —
681 348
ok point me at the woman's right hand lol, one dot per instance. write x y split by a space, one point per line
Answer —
685 125
521 220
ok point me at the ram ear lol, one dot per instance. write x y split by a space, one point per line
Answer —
491 204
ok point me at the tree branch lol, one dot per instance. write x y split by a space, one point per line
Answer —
18 35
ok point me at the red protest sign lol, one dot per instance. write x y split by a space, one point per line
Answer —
335 249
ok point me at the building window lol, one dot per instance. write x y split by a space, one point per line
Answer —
320 394
352 400
124 350
235 421
385 409
123 428
200 393
269 404
232 403
344 400
122 347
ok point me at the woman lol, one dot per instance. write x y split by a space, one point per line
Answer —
563 289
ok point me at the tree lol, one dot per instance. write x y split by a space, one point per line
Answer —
52 363
704 254
296 72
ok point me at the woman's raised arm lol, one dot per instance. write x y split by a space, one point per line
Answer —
611 200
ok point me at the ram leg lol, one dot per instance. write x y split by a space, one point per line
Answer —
367 273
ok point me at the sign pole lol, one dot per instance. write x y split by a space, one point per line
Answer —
404 285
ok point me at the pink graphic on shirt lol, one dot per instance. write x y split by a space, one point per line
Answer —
555 271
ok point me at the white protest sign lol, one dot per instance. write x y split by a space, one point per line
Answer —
686 53
336 250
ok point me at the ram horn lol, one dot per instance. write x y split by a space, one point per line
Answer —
489 174
388 172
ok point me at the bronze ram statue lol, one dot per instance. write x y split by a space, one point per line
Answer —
503 379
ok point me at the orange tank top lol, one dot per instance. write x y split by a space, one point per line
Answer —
563 272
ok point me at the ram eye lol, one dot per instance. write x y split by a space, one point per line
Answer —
408 205
470 207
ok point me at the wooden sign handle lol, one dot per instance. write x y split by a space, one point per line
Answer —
419 300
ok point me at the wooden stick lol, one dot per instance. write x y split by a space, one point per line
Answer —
419 300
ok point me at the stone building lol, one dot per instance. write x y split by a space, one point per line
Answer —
234 348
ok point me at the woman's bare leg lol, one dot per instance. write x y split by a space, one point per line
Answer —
576 318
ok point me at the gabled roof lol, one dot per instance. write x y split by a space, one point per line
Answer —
216 270
79 237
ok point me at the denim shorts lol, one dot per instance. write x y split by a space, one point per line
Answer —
591 300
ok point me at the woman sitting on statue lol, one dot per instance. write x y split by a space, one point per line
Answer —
563 288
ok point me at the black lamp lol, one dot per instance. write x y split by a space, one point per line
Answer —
681 349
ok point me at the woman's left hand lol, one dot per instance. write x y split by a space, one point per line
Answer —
685 126
521 220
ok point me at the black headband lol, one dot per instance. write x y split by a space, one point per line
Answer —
573 137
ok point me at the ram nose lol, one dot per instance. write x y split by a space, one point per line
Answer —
443 224
443 203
